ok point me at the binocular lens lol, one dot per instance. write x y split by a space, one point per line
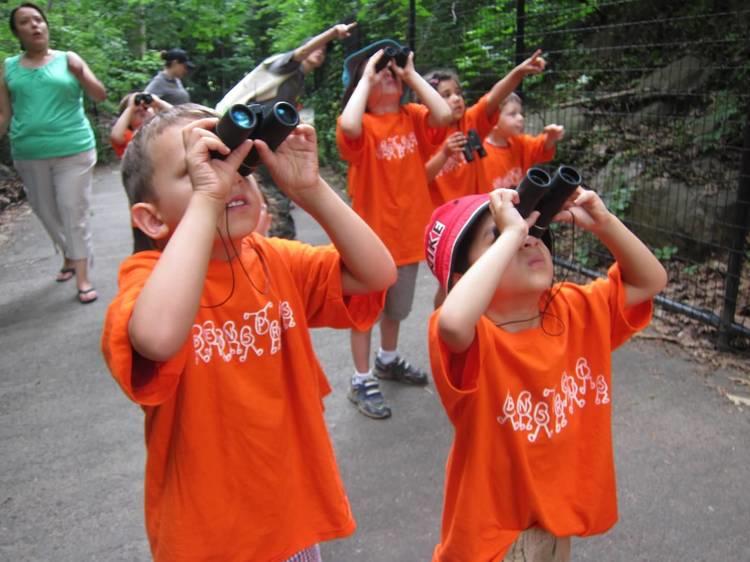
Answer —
286 114
570 175
242 116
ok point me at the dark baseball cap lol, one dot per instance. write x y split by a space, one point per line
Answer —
178 55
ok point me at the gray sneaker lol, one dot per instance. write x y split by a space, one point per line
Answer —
369 400
400 370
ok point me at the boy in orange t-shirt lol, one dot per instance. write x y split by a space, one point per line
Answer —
523 369
386 145
510 153
134 110
449 173
209 333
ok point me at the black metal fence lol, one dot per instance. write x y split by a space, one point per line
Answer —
655 99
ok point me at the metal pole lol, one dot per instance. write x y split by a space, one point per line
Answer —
412 35
520 30
737 245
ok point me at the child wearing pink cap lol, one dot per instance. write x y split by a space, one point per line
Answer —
523 370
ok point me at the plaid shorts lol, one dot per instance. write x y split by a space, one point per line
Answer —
310 554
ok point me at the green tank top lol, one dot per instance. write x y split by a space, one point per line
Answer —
48 120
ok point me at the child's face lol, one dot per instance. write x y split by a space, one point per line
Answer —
139 115
510 121
530 270
174 189
386 91
454 95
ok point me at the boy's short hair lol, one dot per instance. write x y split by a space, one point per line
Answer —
512 97
137 165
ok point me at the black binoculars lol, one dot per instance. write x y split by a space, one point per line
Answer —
399 54
271 124
540 192
143 98
473 143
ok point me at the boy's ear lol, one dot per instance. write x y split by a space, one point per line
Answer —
146 218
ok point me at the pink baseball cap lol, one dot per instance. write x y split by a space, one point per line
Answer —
448 224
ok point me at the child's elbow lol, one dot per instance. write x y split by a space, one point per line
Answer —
660 279
453 333
154 346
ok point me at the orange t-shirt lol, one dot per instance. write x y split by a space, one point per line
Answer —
387 180
506 166
120 148
239 462
458 177
532 418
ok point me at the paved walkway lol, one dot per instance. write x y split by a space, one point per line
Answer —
71 445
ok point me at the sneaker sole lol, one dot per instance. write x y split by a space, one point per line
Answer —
365 412
385 377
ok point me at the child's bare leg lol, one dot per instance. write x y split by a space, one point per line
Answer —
389 333
361 350
365 390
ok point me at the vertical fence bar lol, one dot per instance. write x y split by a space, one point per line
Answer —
412 33
737 245
520 30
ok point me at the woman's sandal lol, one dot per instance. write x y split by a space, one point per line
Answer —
82 292
65 274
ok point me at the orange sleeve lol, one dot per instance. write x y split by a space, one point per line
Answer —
626 320
143 381
428 138
456 375
350 150
476 117
317 274
608 295
534 152
118 148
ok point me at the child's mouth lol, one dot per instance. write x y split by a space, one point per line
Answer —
236 203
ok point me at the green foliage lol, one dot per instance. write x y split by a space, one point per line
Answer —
665 253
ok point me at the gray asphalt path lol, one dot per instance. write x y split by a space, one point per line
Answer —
71 444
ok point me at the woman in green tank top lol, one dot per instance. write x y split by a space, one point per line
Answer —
52 143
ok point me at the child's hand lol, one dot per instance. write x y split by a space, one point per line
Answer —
343 30
211 177
503 208
532 65
454 143
407 71
369 73
294 165
554 133
587 209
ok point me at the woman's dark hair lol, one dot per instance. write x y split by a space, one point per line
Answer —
12 19
354 79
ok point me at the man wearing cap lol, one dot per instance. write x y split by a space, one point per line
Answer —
167 83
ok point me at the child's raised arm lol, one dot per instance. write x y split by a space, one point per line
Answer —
368 265
473 292
440 112
505 86
351 117
642 274
117 133
166 307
